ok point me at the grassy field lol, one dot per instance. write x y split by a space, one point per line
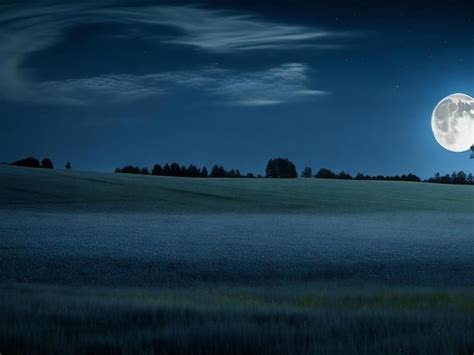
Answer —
291 319
98 191
112 263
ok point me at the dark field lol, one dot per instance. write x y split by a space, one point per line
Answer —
107 263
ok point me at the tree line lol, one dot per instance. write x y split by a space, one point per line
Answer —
175 169
460 178
31 162
324 173
276 168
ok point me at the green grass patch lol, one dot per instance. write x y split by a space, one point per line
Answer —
292 319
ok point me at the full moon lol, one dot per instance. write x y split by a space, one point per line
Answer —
452 122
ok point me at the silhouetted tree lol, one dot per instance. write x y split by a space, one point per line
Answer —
68 166
453 177
307 172
166 170
46 163
130 169
410 177
281 168
460 178
324 173
215 171
218 171
156 170
222 171
29 162
192 171
175 169
445 179
344 176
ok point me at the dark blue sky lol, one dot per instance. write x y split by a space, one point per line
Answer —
349 85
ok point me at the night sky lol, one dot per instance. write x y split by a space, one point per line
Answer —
349 85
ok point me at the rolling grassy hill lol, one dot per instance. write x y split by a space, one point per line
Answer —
24 187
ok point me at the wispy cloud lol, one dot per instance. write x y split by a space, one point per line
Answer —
285 83
223 31
282 84
29 28
104 89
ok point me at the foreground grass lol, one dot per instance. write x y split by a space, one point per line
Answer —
226 319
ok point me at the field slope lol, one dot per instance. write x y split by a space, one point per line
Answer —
62 189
